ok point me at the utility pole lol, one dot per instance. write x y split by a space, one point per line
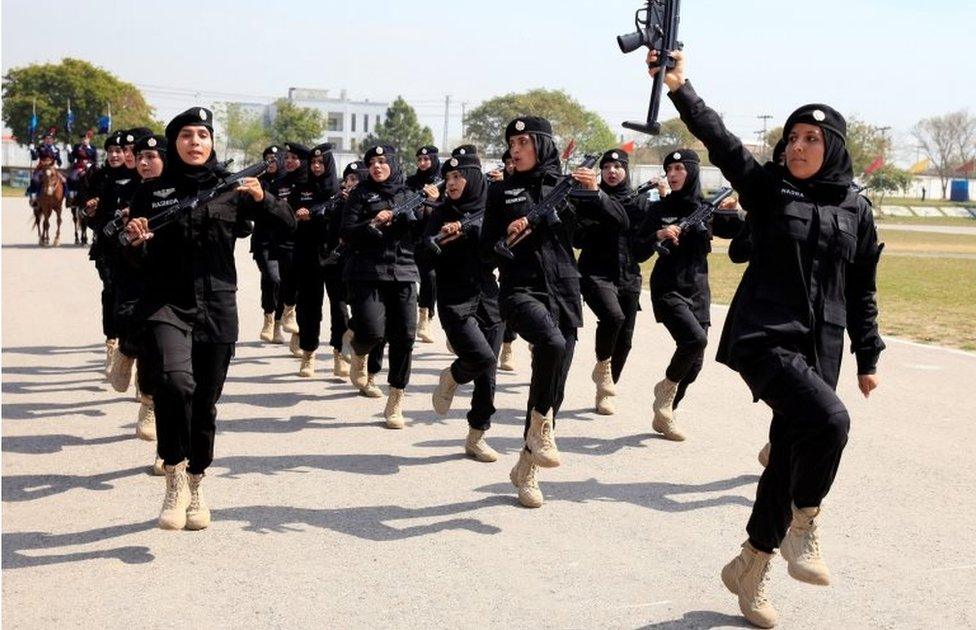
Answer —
447 117
765 118
464 111
884 142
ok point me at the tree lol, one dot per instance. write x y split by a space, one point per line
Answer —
245 131
888 179
674 135
865 143
939 138
400 129
292 123
91 90
485 124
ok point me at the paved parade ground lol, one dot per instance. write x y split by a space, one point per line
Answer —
323 518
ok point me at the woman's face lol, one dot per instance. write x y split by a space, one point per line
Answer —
351 181
194 144
128 156
805 150
423 162
318 166
379 169
454 186
273 164
613 173
522 148
114 157
149 164
509 166
292 162
676 174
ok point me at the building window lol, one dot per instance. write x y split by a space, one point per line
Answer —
336 142
365 123
352 122
377 120
334 122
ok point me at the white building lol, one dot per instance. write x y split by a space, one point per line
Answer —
347 121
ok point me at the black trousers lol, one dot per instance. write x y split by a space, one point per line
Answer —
336 289
508 336
807 437
428 285
109 328
386 310
477 344
289 279
616 312
270 283
187 389
691 337
553 345
149 365
308 304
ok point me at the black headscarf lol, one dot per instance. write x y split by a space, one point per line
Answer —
475 192
301 174
430 176
684 201
623 189
202 176
152 143
328 181
833 180
394 183
547 156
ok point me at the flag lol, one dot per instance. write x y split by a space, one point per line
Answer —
69 120
105 124
569 149
919 167
32 123
628 146
875 165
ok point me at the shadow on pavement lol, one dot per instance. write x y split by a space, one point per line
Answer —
15 543
654 495
32 487
578 445
95 348
700 620
363 464
30 411
47 444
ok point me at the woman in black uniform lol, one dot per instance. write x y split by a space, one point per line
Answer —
611 281
382 275
539 293
291 187
190 304
811 273
467 299
426 178
264 252
680 293
309 239
506 360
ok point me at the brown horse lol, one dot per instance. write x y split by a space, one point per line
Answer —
50 198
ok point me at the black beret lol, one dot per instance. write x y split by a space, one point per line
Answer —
298 149
321 149
195 116
272 150
465 149
114 140
820 115
427 149
459 162
383 149
615 155
353 168
131 136
686 156
528 124
151 143
507 155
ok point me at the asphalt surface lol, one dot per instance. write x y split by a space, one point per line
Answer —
324 518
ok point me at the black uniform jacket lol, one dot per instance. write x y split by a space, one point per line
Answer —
811 271
189 271
544 267
388 255
606 244
466 285
111 186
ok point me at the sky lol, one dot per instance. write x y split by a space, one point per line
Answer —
889 62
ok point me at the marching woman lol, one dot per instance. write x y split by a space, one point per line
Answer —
611 278
680 293
811 273
382 275
506 361
265 252
539 293
190 304
467 299
290 187
426 178
309 238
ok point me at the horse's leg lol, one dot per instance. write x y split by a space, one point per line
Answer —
47 226
57 235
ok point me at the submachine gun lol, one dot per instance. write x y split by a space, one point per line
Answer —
657 29
698 217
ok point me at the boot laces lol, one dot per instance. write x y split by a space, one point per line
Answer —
761 598
194 496
548 441
172 491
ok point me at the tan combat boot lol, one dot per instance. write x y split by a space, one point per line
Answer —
664 412
506 360
747 576
801 548
279 334
603 378
340 364
111 346
288 320
475 446
444 392
764 455
295 347
371 390
394 409
307 369
604 405
120 372
357 371
423 326
146 420
197 512
540 440
523 478
173 514
267 330
158 467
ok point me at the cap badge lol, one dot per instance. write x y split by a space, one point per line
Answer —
379 150
519 125
203 114
130 138
151 142
676 156
454 162
819 116
614 155
423 151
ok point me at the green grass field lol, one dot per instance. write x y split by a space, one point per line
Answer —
10 191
